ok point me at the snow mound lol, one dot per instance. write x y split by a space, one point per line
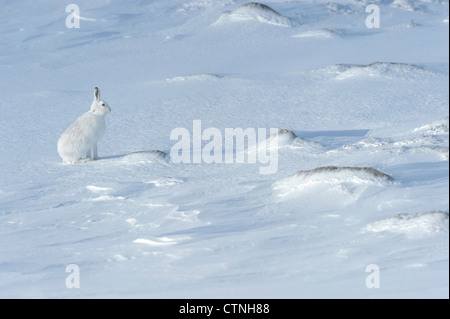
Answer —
195 77
405 146
166 181
435 128
337 185
330 71
431 139
338 8
377 69
258 12
373 70
406 5
320 34
143 157
155 153
416 225
285 138
345 172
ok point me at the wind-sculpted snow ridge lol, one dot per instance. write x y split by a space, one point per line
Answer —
285 138
326 33
436 128
332 186
364 173
406 5
378 69
143 157
415 225
195 77
151 152
338 8
430 139
255 12
288 138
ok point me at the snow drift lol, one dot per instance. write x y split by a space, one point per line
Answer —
283 137
364 173
416 225
139 225
376 69
195 77
327 33
406 5
430 139
255 12
287 139
144 157
331 186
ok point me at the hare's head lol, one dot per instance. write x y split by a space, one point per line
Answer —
99 107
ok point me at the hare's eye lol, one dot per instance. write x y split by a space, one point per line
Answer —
103 104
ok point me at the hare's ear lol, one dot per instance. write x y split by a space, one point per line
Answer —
97 94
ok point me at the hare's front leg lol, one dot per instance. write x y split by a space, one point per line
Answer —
95 152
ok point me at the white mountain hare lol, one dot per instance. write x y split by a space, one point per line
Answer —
83 135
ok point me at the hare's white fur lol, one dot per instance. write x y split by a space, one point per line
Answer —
83 135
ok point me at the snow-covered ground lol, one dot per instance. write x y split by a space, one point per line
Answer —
362 173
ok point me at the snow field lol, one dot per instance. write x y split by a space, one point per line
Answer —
351 104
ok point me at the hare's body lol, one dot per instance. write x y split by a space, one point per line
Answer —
82 136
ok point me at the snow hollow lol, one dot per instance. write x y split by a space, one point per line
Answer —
355 118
